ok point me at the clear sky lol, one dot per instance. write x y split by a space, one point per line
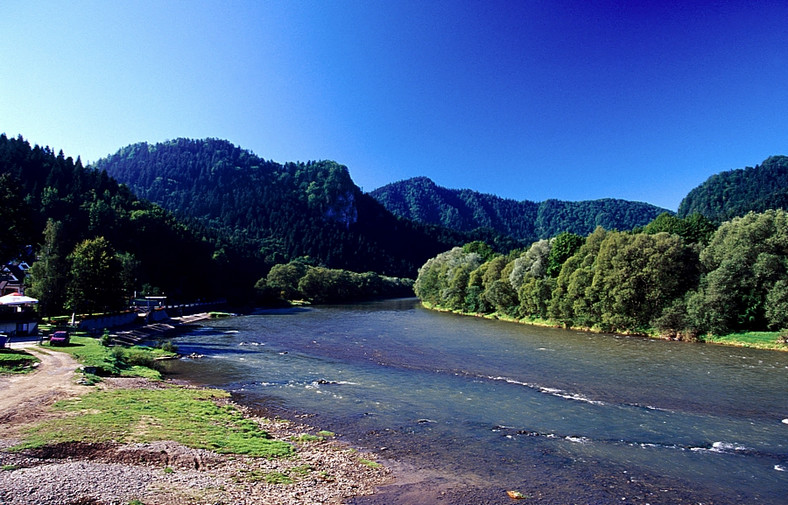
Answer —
525 99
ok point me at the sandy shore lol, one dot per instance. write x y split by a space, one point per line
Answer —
163 473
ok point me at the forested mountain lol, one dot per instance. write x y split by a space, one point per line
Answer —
420 199
284 211
42 191
736 192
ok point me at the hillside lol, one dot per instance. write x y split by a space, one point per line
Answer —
736 192
284 211
39 186
420 199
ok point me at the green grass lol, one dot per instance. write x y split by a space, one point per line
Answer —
369 463
136 361
14 361
188 416
756 339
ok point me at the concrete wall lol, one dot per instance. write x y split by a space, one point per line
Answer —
113 321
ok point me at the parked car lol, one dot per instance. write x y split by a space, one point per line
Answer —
59 338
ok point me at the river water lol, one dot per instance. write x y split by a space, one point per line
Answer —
470 408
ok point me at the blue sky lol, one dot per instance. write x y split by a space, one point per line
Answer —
524 99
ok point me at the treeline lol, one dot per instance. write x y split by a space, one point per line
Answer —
735 192
679 277
299 280
421 200
278 212
90 241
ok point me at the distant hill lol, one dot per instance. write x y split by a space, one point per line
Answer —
736 192
285 211
420 199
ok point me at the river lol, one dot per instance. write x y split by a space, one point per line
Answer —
467 408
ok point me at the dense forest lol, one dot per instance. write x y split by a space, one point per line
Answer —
281 211
734 193
420 199
679 277
76 218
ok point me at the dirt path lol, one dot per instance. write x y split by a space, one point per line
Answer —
24 398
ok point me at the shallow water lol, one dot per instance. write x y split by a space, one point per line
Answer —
486 406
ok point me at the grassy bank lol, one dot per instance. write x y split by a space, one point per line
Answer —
769 340
188 416
103 361
15 361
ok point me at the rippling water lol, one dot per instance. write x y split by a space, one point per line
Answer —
485 406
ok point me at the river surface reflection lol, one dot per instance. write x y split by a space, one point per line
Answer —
484 406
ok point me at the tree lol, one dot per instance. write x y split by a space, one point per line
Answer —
532 263
744 262
443 280
637 276
49 273
562 248
96 283
284 279
694 228
15 222
574 297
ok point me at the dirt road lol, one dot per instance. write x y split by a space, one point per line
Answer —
24 398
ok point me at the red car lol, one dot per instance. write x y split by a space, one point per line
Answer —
59 338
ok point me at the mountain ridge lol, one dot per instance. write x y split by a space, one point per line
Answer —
422 200
304 209
733 193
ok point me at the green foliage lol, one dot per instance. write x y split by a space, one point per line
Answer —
136 361
562 248
443 280
66 204
734 193
481 248
300 281
422 200
746 273
95 278
15 219
49 275
637 276
188 416
661 278
694 228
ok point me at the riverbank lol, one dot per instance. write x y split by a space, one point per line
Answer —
767 340
320 470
